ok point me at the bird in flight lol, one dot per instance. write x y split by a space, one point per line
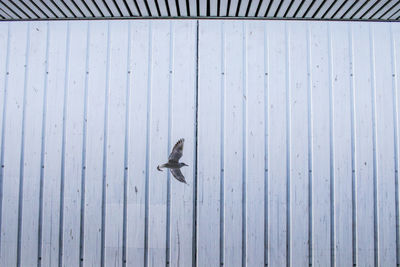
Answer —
173 163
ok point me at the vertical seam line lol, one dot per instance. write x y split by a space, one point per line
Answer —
84 135
61 229
105 142
42 149
22 151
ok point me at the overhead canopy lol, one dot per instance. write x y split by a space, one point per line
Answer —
386 10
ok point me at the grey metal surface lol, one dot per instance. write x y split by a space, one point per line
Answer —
291 136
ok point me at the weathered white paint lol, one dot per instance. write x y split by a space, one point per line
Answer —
291 133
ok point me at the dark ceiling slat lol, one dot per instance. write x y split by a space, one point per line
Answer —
167 7
348 10
318 9
268 8
279 7
372 6
34 8
9 11
395 15
18 8
258 8
380 9
108 8
4 14
390 11
65 8
87 9
298 8
329 9
307 9
127 8
52 10
137 8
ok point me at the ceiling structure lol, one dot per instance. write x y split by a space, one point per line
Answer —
385 10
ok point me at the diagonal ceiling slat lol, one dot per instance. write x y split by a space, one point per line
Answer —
385 10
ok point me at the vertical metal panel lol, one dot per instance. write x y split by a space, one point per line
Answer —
141 51
341 143
33 135
209 153
298 101
13 136
320 145
293 158
96 84
58 44
385 173
255 71
183 111
277 144
364 184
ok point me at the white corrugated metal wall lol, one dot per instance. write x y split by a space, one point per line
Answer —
291 133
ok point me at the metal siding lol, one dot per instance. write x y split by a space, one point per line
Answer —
291 137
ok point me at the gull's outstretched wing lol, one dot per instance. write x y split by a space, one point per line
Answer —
178 175
176 153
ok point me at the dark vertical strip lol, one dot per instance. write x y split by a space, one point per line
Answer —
353 147
238 8
171 76
126 148
148 118
396 142
3 126
168 9
196 127
374 136
222 150
178 11
22 152
84 137
288 144
331 150
258 8
105 143
266 121
42 148
310 146
244 156
62 174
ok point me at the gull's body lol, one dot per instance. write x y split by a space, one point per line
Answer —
173 162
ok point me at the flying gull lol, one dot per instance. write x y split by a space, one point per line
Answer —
173 162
